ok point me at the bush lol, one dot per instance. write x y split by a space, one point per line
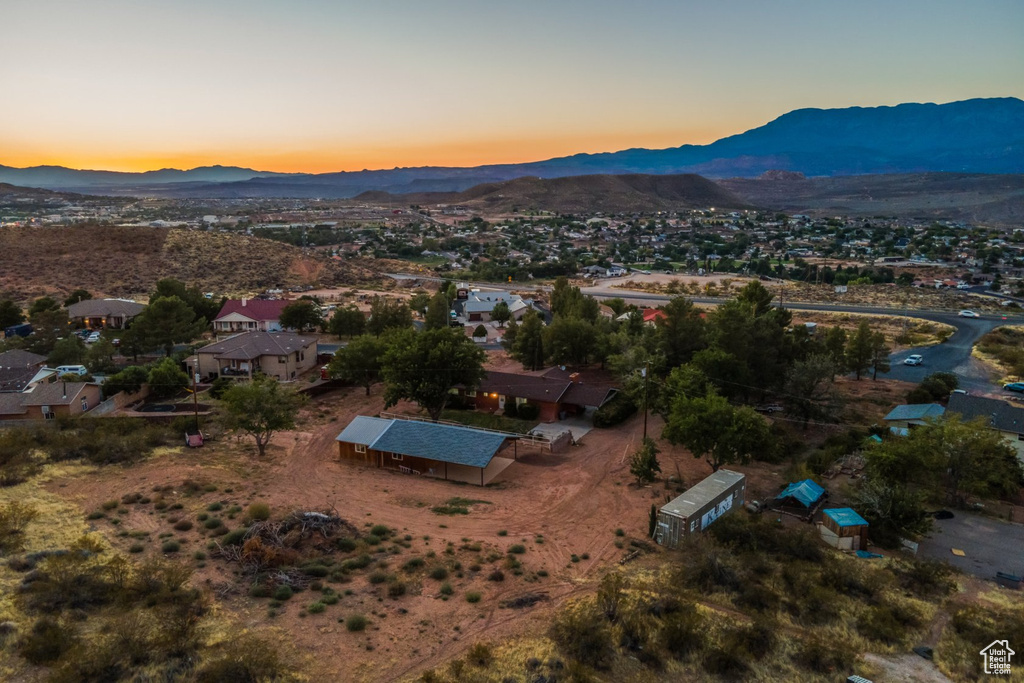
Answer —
183 525
496 575
683 630
528 411
355 623
446 589
480 655
246 658
439 573
215 507
396 589
413 564
219 386
517 549
283 593
46 642
822 656
473 596
213 523
380 530
346 545
236 537
615 411
510 409
170 547
378 577
725 662
582 633
258 512
316 607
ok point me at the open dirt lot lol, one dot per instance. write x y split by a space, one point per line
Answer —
572 502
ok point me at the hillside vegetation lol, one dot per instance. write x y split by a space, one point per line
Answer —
128 261
607 193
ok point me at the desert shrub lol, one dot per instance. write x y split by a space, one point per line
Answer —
260 591
709 570
380 530
683 630
517 549
378 577
480 655
725 662
756 640
316 607
135 548
17 462
528 411
355 623
439 573
213 523
496 575
815 605
925 578
396 589
236 537
346 545
46 641
359 562
413 564
14 519
889 623
215 507
317 570
615 411
183 525
446 589
757 597
372 539
822 656
283 593
170 547
581 632
247 658
258 512
473 596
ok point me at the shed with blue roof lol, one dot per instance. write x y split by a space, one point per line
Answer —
843 528
425 448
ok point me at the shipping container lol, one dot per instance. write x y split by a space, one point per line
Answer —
694 510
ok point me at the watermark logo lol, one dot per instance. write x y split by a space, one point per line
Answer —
996 656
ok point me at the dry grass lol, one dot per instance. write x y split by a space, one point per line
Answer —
1003 350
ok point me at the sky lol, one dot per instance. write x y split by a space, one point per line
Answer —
330 85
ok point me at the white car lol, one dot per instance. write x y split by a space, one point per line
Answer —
915 359
969 314
92 338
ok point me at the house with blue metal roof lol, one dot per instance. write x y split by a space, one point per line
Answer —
429 449
913 415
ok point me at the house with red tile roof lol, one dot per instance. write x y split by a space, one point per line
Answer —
249 315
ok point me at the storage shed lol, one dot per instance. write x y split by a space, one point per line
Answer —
694 510
843 528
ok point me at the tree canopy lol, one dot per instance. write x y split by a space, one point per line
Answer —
359 362
713 429
347 322
387 314
166 322
261 408
302 315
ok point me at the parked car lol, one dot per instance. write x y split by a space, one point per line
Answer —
1014 386
969 314
92 338
769 408
915 359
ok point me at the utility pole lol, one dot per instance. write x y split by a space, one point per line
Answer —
195 392
646 374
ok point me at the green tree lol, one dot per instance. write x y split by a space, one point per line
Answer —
68 351
570 341
618 305
192 296
879 355
810 388
711 428
386 314
835 346
644 463
347 322
100 357
166 378
756 297
359 362
424 367
76 296
528 347
436 316
501 313
419 301
128 380
681 332
166 322
42 305
47 328
303 315
261 408
860 350
10 314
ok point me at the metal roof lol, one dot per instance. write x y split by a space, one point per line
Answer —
915 411
444 443
845 517
364 430
702 493
806 491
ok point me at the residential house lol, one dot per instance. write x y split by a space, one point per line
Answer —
476 306
594 271
905 417
49 401
425 448
104 313
556 397
249 315
17 368
999 415
283 355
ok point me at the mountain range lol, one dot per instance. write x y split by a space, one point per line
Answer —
971 136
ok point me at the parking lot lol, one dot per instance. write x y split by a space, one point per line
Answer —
989 545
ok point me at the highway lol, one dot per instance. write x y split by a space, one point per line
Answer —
954 355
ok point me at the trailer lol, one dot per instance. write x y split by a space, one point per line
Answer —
699 507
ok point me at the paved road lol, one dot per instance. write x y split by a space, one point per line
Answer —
989 545
952 356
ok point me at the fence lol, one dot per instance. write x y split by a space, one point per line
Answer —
525 439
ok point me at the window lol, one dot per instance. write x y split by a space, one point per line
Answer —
282 359
471 393
85 404
396 456
360 448
302 355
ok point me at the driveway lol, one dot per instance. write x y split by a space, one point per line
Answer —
577 425
989 545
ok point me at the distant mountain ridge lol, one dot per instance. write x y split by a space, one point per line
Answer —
971 136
